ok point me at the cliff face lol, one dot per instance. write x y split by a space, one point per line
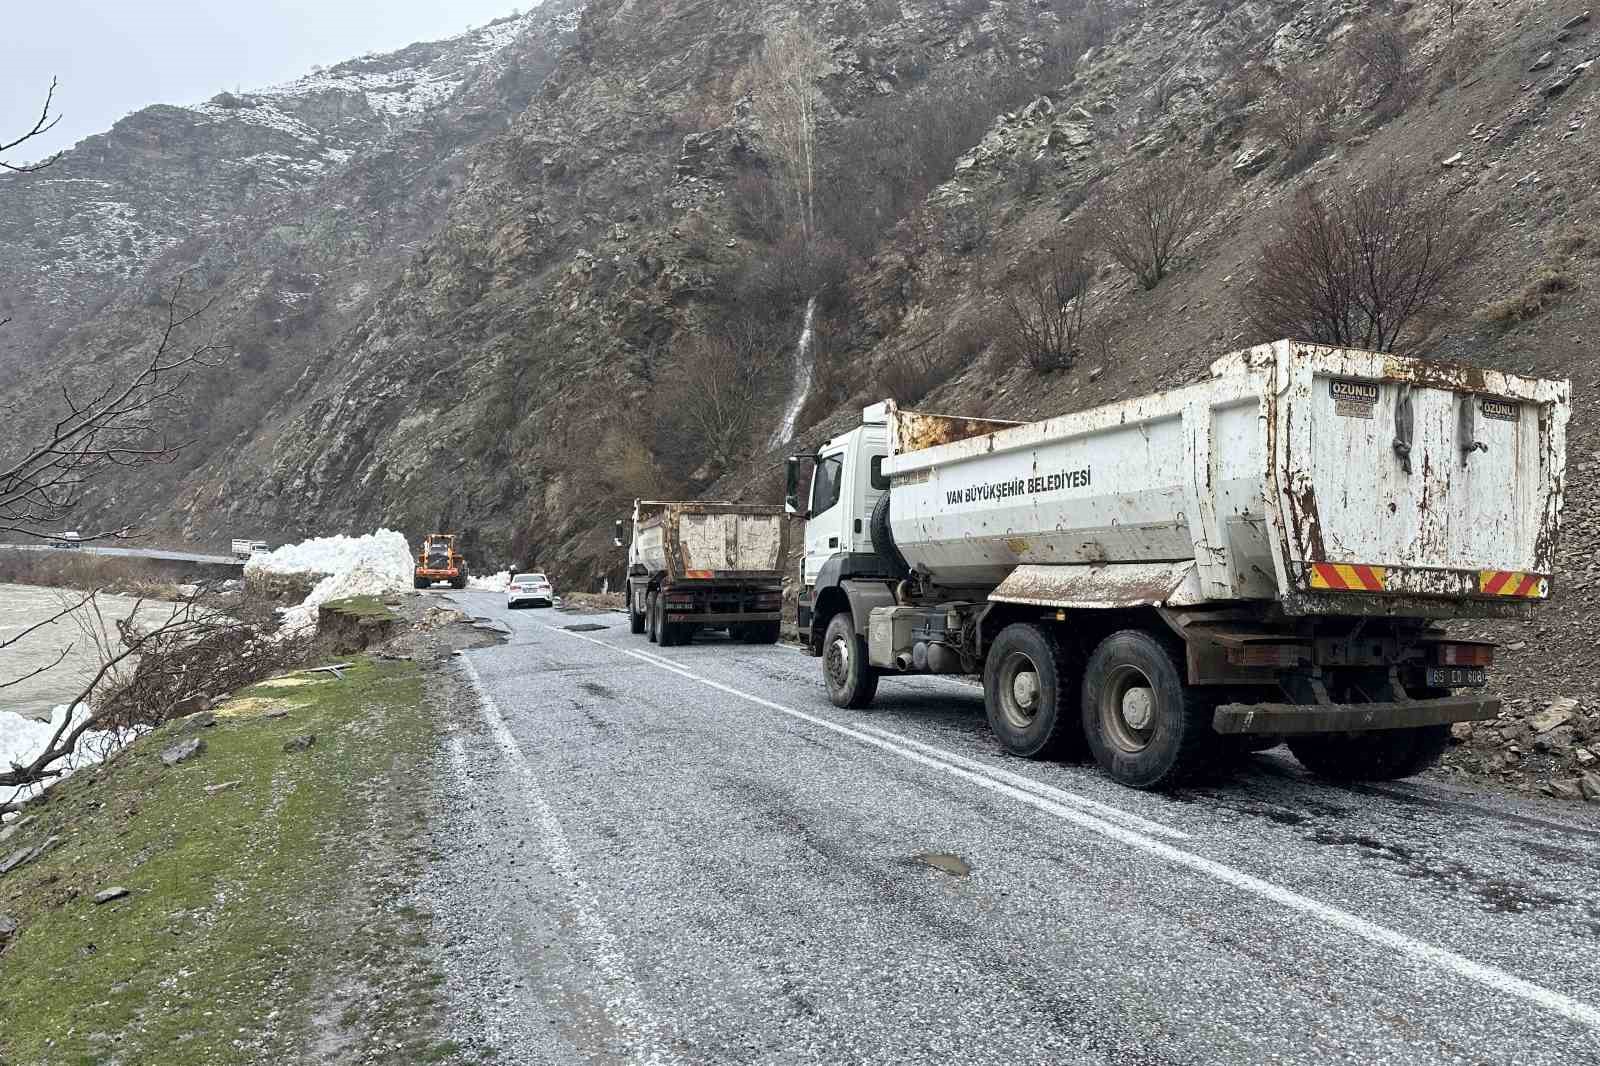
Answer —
478 284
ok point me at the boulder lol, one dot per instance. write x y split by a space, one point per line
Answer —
1558 713
109 894
1589 785
183 751
303 742
1543 61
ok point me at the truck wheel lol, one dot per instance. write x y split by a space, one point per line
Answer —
765 632
1382 755
1146 727
652 610
851 681
1028 685
635 616
667 634
420 583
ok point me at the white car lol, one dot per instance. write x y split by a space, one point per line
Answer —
530 588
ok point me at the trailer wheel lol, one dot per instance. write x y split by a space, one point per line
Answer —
1145 726
652 610
851 681
635 616
1382 755
1028 685
667 634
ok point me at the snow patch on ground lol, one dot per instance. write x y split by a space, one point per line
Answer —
490 582
369 565
21 739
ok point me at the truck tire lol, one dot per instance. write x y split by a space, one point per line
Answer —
1382 755
1029 682
652 613
883 538
420 583
851 681
766 632
667 634
635 616
1145 726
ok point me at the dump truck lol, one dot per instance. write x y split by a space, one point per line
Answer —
1270 555
244 549
695 565
438 560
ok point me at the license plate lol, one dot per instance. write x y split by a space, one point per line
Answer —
1457 677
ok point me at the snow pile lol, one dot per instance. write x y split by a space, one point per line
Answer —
490 583
370 565
21 739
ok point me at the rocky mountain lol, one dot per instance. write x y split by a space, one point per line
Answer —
496 283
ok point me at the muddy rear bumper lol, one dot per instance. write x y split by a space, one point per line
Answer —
1292 718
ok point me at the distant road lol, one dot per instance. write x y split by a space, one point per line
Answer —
137 553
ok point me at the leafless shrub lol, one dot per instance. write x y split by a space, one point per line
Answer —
910 374
1368 266
1300 112
1462 53
1044 305
1145 220
1542 290
716 397
1379 54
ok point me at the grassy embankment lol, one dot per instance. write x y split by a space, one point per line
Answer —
267 910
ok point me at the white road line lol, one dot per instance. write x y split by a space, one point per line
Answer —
1038 788
652 1038
1556 1002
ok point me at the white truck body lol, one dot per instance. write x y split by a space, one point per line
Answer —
244 549
1273 480
1289 529
696 564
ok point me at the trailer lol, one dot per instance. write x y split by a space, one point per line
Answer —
698 565
1269 555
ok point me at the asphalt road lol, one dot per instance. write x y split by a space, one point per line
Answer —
687 855
137 553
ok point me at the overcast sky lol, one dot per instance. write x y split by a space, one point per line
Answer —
116 56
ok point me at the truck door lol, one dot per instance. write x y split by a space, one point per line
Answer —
825 532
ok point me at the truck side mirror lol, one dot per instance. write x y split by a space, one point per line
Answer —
616 538
791 499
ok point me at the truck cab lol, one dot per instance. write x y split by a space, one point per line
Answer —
847 481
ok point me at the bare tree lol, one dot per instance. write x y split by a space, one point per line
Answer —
125 424
1300 111
1379 52
1368 266
717 397
1044 305
783 83
45 124
1144 221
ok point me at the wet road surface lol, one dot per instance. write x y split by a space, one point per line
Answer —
688 855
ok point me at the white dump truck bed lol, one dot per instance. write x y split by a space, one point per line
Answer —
1329 479
709 540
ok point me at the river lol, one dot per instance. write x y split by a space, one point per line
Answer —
24 605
